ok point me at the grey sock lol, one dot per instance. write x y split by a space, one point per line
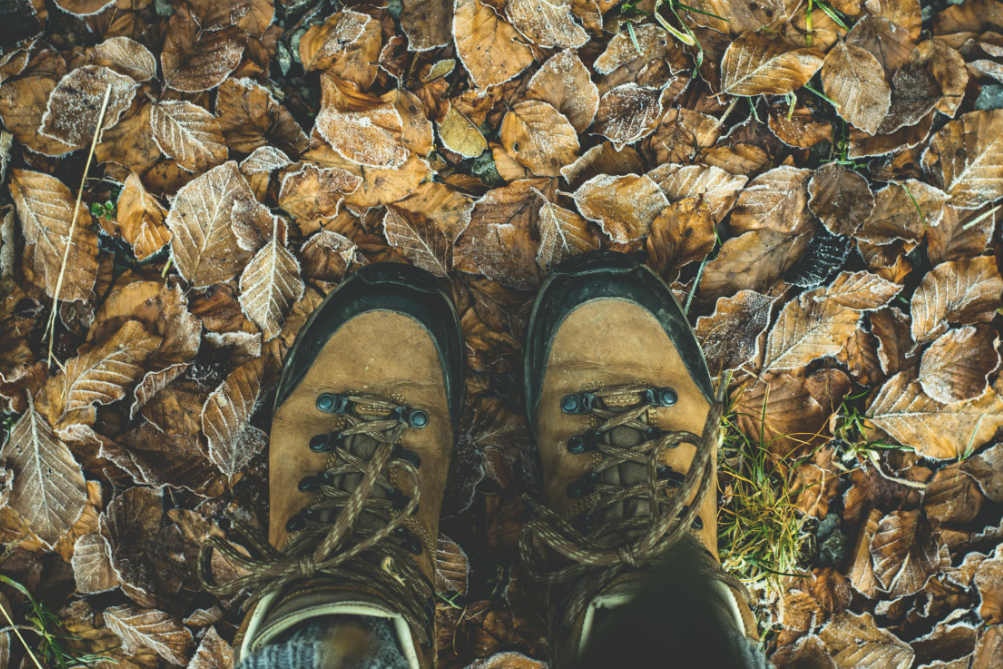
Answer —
306 647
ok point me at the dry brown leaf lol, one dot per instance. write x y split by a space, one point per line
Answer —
250 118
45 208
861 291
251 16
83 7
75 104
958 364
799 128
780 412
890 43
202 219
807 653
774 200
948 68
362 128
49 490
563 234
271 283
855 80
989 581
842 199
895 344
508 660
194 59
986 468
158 458
188 134
730 336
379 186
755 64
989 649
548 23
856 642
539 137
149 628
141 219
452 567
490 49
359 61
233 441
427 23
682 233
808 329
959 236
752 261
212 653
963 292
131 143
935 430
499 241
322 44
461 136
680 135
22 103
316 193
602 159
624 206
418 238
92 570
717 188
628 113
965 159
903 211
327 256
952 496
862 568
127 57
417 129
448 207
565 83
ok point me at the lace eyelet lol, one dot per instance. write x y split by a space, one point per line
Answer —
331 403
325 443
411 543
401 453
580 403
660 397
398 498
296 523
583 486
584 443
310 484
415 418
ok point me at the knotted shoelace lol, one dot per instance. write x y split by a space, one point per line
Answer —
596 557
340 548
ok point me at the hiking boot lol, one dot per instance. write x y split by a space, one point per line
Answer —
621 405
366 411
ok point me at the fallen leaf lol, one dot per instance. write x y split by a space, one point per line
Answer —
489 48
986 468
233 441
251 118
92 570
798 127
194 59
964 292
936 430
461 136
141 219
548 23
680 135
779 412
682 233
539 137
203 243
49 490
45 208
419 239
426 23
774 201
127 57
188 134
989 582
960 235
563 234
890 43
362 128
75 104
313 193
862 567
856 642
957 365
717 188
862 291
565 83
965 159
452 567
149 628
22 104
327 256
270 284
448 207
807 652
806 330
752 261
841 199
212 653
855 80
628 113
952 496
624 206
730 337
755 64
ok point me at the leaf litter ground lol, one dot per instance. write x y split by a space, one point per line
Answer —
816 181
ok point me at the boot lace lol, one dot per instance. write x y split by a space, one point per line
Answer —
595 554
359 528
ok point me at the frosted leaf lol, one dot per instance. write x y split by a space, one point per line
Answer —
141 218
903 211
149 628
754 64
965 159
126 56
322 44
566 84
427 23
855 80
91 562
548 23
362 128
250 117
647 41
717 187
197 60
188 134
628 113
49 489
452 567
857 643
624 206
563 234
539 137
730 336
264 159
774 200
459 135
958 364
905 550
82 7
861 291
841 198
448 207
964 292
75 104
212 653
490 49
203 244
327 256
313 192
270 285
233 442
419 239
807 329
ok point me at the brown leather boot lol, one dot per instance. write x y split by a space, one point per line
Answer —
621 404
366 412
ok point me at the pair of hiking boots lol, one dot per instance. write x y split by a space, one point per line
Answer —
618 398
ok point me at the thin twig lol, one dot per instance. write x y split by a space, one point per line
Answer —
73 224
17 631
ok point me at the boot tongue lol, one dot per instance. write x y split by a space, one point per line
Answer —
626 474
363 447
